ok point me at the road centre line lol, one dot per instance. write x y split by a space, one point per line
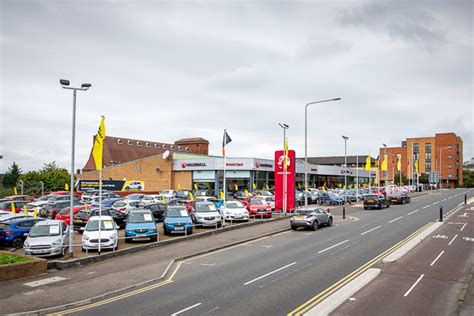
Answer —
413 212
462 228
449 198
269 273
321 251
426 206
413 286
186 309
436 259
435 203
366 232
396 219
452 240
443 200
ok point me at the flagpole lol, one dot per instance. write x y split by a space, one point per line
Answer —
357 176
100 205
225 180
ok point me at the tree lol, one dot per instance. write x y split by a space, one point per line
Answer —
397 179
424 178
53 177
50 166
468 178
32 182
12 176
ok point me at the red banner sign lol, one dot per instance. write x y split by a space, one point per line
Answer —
290 180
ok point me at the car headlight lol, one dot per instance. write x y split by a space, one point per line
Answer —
114 236
26 245
56 243
85 237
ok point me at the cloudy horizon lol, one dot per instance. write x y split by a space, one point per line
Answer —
165 70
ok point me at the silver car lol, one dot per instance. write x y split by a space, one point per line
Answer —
310 218
206 214
47 238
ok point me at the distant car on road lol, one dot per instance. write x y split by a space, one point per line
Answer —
375 201
310 218
177 220
398 198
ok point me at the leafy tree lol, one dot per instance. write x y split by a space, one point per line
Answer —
12 176
54 180
32 182
468 178
424 178
53 177
397 179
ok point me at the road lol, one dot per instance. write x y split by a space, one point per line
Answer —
275 275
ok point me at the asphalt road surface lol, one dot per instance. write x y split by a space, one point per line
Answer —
275 275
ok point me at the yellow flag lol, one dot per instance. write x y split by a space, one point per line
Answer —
399 162
416 165
66 186
195 186
35 213
340 185
236 187
13 207
266 185
98 147
191 196
25 210
179 186
255 186
163 198
246 193
15 191
324 185
87 209
367 163
222 195
286 153
384 163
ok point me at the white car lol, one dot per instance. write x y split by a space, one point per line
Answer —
234 211
270 201
152 198
134 185
108 234
47 238
168 194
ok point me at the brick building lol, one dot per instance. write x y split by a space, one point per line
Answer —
441 156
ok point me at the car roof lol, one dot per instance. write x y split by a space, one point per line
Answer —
140 210
49 222
103 217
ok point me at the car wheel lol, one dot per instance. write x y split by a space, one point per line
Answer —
139 188
315 225
83 249
388 205
330 220
153 239
17 243
127 189
190 231
63 250
294 228
128 240
365 207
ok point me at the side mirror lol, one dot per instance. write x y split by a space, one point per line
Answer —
25 234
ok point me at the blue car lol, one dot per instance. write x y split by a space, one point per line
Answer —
330 198
141 225
105 203
13 232
177 220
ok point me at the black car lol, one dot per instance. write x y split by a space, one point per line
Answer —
51 209
81 218
376 201
398 198
158 210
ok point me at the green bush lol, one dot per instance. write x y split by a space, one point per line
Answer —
8 258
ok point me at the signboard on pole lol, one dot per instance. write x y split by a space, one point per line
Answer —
290 180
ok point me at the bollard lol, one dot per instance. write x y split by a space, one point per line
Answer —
465 199
343 212
440 213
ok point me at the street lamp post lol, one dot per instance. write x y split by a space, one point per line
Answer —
386 162
345 166
306 144
84 87
284 127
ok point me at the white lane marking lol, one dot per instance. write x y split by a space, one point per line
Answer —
269 273
435 203
282 233
44 281
452 240
443 200
366 232
396 219
413 212
462 228
208 264
436 259
186 309
426 206
449 198
92 272
413 286
333 246
266 246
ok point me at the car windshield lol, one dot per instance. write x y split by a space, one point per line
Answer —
270 199
140 218
177 212
234 205
205 207
258 202
304 212
94 225
44 231
371 197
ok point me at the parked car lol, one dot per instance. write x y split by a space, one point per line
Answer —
168 194
242 195
235 211
258 207
205 214
134 185
134 197
63 215
5 216
158 210
107 237
376 201
18 198
18 205
141 226
264 193
47 238
124 205
299 198
83 216
398 198
13 232
270 201
50 210
105 197
330 198
183 194
149 199
177 220
310 218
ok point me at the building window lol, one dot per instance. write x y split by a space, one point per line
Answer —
147 145
450 147
119 141
416 148
179 147
450 156
428 156
428 166
164 146
172 147
129 142
428 147
139 143
450 166
450 175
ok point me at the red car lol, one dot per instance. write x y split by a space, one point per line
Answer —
63 215
19 198
77 194
258 207
7 206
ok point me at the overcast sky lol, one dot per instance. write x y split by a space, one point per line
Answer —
164 70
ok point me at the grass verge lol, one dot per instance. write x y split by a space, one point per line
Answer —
7 258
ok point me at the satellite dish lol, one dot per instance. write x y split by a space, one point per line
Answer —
166 154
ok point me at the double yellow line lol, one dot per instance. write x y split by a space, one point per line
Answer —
121 296
321 296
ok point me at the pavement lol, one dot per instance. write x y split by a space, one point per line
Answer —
435 278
